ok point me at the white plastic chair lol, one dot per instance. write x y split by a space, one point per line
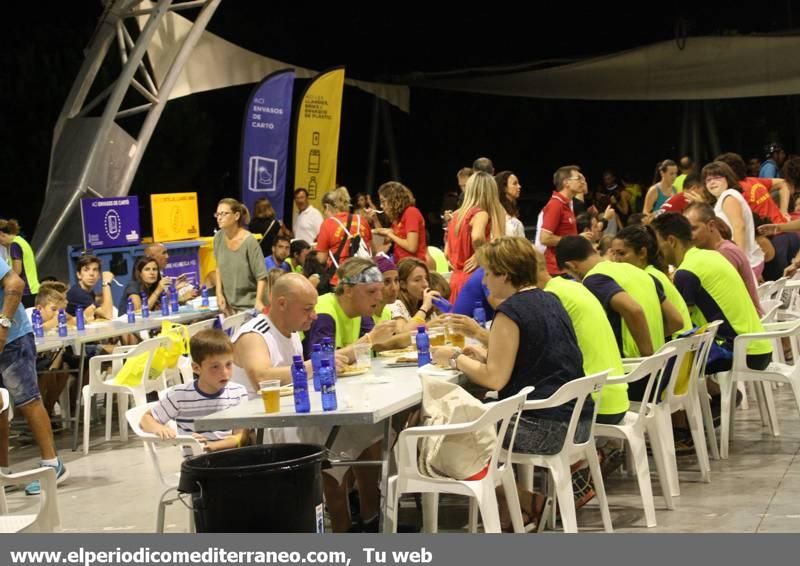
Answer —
169 482
100 383
46 520
776 372
632 430
196 327
409 479
572 452
765 290
232 323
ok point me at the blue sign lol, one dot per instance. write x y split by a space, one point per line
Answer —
265 141
110 222
184 263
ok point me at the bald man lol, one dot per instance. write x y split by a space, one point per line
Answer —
263 347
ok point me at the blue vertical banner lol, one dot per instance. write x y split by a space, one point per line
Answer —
265 141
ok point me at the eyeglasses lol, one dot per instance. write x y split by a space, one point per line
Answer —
223 213
714 178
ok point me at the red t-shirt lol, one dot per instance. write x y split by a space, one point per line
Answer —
331 234
676 203
756 192
410 221
559 220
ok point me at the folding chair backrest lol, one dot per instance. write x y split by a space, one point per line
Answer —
503 412
777 288
764 290
232 323
770 308
193 329
576 390
134 417
651 369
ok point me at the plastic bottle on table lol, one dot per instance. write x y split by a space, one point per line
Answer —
328 386
62 323
300 385
164 304
316 363
145 306
423 347
131 311
38 325
329 353
173 299
204 297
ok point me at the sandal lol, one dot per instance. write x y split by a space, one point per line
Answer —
582 487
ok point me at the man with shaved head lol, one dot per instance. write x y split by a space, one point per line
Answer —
263 347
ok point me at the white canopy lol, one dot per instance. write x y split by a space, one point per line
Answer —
218 63
705 68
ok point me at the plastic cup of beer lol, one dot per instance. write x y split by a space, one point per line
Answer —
456 340
436 336
363 354
270 391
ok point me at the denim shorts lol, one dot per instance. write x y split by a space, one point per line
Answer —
544 436
18 370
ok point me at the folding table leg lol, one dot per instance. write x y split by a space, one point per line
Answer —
77 413
386 453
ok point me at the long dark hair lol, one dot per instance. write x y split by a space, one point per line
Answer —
137 273
638 237
502 182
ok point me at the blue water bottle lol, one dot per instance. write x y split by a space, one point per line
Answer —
442 304
300 385
164 304
131 311
328 386
479 314
145 306
38 325
80 320
62 323
329 353
173 299
203 297
423 347
316 363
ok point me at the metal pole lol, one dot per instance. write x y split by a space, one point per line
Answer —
175 69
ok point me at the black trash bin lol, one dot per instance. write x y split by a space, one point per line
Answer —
274 488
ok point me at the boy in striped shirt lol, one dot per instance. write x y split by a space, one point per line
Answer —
211 391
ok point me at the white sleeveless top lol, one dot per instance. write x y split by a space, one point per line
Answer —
281 349
754 253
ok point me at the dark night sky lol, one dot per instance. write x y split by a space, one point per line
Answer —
196 144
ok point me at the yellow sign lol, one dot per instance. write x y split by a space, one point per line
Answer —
318 121
174 217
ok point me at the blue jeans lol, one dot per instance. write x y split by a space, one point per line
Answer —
18 370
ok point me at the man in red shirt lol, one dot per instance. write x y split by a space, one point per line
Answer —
692 192
558 219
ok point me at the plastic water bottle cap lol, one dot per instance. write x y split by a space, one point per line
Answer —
316 348
421 328
297 359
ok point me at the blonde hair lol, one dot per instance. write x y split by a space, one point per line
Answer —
236 206
510 256
481 191
51 292
338 199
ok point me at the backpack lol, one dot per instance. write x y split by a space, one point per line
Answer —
358 248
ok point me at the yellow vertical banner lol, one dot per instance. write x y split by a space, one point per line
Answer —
318 120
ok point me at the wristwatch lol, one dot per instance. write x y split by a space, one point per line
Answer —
5 322
453 359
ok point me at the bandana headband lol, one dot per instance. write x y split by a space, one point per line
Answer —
371 275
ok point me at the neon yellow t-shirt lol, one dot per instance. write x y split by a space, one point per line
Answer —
595 339
642 288
714 290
